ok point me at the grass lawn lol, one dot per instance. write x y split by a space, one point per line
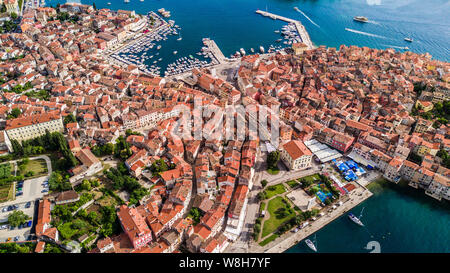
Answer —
6 192
268 240
107 200
274 222
262 207
312 178
292 184
273 171
277 189
37 166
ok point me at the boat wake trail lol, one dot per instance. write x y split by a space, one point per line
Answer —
365 33
306 16
373 22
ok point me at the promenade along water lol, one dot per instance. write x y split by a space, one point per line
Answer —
398 217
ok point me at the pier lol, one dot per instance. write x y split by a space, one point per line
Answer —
300 28
215 50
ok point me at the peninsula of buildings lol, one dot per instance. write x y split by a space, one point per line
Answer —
88 143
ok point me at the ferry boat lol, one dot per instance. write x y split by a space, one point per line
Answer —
311 245
361 19
408 40
355 219
261 48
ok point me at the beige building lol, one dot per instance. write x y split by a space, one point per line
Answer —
33 126
296 155
11 5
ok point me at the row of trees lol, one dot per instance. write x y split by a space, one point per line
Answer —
53 142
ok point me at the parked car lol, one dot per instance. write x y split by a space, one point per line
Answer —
9 239
5 209
27 205
29 223
44 191
16 238
19 193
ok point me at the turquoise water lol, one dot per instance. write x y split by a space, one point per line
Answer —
234 24
400 218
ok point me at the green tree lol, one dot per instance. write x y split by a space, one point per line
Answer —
14 15
264 183
272 159
86 185
17 218
69 119
15 112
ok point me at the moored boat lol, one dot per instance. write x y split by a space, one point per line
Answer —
311 245
355 219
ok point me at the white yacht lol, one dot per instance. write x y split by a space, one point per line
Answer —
311 245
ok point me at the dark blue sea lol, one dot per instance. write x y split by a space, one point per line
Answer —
399 218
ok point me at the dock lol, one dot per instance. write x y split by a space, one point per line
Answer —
300 28
215 50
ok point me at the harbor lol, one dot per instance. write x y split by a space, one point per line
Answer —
144 48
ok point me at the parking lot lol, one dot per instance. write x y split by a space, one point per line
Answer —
32 190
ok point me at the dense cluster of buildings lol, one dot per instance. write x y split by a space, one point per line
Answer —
359 101
356 100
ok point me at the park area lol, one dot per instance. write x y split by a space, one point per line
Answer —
287 204
32 168
280 211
